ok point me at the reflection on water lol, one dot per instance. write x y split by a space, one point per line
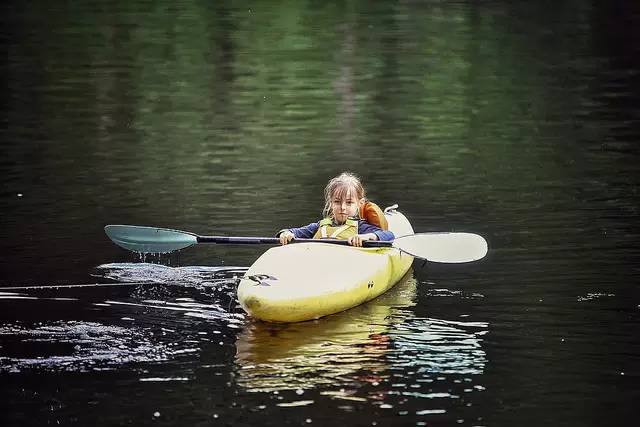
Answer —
365 345
436 346
514 120
323 352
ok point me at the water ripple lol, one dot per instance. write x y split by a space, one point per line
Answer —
79 346
197 276
440 346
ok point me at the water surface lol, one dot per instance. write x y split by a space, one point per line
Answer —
516 122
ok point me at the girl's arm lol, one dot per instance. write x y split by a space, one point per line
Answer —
305 232
380 234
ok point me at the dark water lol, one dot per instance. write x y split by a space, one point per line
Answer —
518 122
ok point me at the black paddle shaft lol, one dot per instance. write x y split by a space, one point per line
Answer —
275 240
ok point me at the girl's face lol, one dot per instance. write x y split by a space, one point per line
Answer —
345 205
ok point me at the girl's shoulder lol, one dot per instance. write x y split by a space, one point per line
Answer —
363 224
372 213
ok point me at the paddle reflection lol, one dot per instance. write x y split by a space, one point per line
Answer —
338 349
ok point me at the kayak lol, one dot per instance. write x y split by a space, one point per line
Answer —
277 356
306 281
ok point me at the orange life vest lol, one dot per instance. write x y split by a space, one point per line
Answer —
372 213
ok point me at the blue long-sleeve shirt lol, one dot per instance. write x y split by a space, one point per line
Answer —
308 231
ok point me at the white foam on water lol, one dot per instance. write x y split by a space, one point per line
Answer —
92 346
295 404
196 276
595 295
431 411
161 379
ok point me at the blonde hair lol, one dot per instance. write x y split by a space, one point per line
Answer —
339 187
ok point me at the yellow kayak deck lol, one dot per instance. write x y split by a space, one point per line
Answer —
305 281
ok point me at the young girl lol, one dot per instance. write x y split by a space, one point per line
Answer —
343 197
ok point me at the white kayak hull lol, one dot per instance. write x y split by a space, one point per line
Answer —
305 281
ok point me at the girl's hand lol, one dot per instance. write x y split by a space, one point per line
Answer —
285 237
359 238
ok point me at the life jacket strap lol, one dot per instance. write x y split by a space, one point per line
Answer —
338 230
327 229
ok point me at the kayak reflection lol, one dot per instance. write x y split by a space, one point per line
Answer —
348 346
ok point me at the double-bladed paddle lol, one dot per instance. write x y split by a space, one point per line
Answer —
435 247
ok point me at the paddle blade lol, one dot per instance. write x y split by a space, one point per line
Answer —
443 247
149 239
